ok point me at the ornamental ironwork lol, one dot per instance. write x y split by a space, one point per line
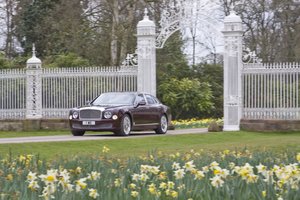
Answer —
180 14
250 56
131 59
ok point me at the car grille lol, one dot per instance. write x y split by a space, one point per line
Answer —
90 114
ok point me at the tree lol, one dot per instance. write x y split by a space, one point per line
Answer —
29 18
7 11
199 23
270 27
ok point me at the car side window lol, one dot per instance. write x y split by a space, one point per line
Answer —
150 99
139 98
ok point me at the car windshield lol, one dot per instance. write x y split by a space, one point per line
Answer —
114 99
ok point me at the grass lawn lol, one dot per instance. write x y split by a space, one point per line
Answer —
127 147
12 134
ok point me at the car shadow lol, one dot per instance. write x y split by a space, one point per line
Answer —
113 135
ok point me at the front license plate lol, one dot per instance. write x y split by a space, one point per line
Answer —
88 122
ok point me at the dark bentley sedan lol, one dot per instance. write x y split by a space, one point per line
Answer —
121 112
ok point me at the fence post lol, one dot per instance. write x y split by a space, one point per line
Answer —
33 87
146 56
233 33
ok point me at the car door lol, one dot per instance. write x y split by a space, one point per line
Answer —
153 109
140 112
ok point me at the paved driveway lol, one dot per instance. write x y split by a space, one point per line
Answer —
61 138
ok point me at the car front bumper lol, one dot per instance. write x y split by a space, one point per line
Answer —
95 125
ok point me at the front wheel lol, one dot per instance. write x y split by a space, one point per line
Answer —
125 125
77 133
163 125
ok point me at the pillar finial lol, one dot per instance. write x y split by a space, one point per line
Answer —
33 50
232 8
146 14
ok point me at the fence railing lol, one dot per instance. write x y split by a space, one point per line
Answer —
62 88
271 91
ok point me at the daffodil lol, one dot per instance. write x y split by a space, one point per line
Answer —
163 185
33 185
93 193
179 174
174 194
217 181
132 186
78 170
9 177
22 158
162 176
48 192
199 175
213 165
298 157
152 189
94 176
189 166
171 185
114 171
134 194
50 177
135 177
117 182
261 168
251 178
144 177
105 149
80 184
176 165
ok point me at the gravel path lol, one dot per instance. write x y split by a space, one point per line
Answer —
61 138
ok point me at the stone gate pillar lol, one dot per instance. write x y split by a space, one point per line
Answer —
33 87
146 56
233 32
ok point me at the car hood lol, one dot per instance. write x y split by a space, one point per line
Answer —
101 107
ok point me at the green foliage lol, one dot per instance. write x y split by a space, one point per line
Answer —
4 63
186 97
66 60
172 69
212 74
17 62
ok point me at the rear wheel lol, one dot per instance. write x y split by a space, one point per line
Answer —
125 125
77 133
163 125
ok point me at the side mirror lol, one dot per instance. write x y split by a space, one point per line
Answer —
88 102
140 103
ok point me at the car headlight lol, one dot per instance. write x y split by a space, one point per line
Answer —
75 115
107 115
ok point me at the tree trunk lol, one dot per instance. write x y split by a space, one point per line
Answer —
9 34
127 31
114 33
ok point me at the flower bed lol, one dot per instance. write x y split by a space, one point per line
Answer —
195 123
190 176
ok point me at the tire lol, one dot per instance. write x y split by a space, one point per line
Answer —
163 125
77 133
125 125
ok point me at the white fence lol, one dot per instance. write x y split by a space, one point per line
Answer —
62 88
12 93
271 91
